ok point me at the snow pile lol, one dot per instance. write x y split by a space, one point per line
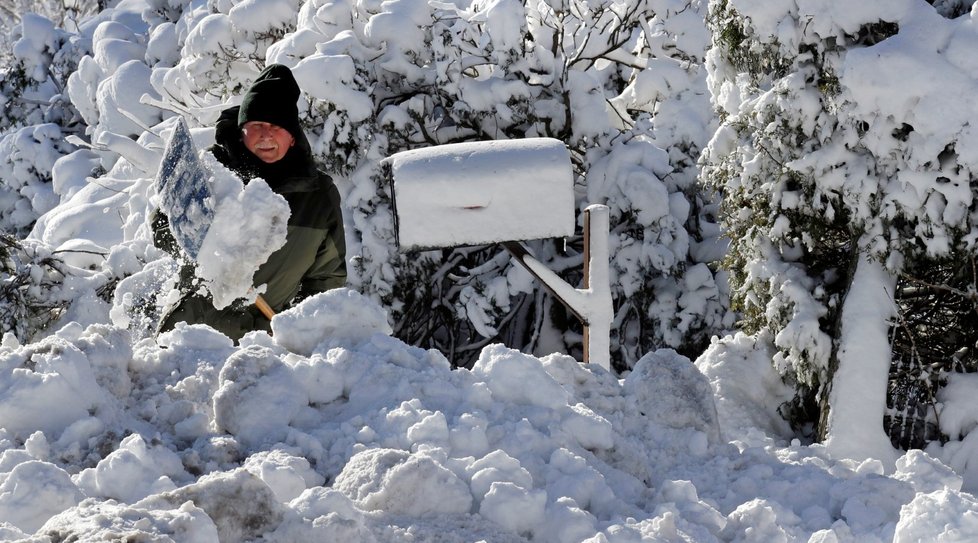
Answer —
329 429
355 436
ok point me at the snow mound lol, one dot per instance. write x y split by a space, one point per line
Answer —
339 316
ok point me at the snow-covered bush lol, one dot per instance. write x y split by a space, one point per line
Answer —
29 295
35 116
622 85
830 164
27 157
34 71
406 74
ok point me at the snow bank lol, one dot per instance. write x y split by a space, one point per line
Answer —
357 435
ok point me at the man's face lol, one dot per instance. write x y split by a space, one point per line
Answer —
266 141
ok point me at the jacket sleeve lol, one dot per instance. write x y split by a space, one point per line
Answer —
328 271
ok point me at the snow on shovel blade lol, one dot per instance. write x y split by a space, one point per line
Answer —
185 197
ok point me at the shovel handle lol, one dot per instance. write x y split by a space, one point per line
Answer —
263 306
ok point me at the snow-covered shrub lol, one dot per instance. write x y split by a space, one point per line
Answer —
406 74
30 294
27 157
829 162
622 85
221 47
34 71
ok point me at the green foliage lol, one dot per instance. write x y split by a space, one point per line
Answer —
932 338
758 56
805 176
30 282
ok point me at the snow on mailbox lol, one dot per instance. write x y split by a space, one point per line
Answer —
477 193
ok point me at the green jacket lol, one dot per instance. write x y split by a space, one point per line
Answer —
313 258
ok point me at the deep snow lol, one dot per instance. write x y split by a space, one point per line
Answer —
332 430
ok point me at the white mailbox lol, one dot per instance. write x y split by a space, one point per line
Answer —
478 193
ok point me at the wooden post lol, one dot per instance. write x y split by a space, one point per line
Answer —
592 304
587 280
550 281
600 311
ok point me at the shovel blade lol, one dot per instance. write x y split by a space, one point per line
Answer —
185 197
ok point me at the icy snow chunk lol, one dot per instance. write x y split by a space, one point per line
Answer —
9 532
591 430
432 428
233 250
46 386
760 520
569 475
340 316
333 516
747 388
37 446
258 396
320 501
566 522
79 432
869 503
33 492
108 351
287 475
495 467
683 495
11 457
942 516
321 379
402 483
513 507
133 471
99 520
240 504
468 435
518 378
668 389
925 473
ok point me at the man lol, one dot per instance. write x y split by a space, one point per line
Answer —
262 138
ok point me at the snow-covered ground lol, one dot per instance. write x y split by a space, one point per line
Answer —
330 429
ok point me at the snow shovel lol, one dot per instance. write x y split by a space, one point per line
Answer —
186 199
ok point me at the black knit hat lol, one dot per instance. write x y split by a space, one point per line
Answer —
272 99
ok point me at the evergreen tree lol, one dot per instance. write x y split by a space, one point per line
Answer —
816 172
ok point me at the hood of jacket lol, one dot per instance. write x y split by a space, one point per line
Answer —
290 174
